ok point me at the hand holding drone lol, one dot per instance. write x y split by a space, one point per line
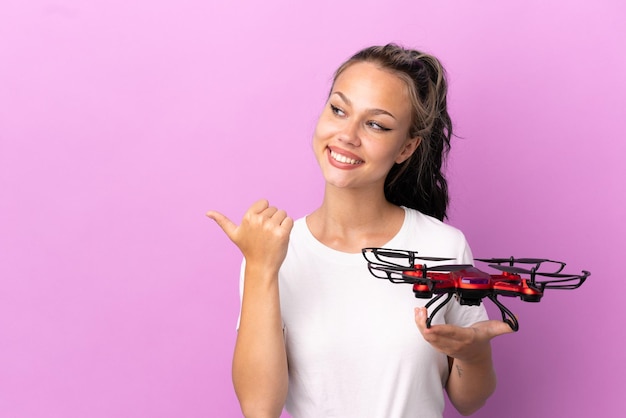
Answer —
468 283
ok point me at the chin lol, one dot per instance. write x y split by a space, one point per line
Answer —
338 181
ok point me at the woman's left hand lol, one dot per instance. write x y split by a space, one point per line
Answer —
467 344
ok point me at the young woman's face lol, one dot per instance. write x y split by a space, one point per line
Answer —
363 129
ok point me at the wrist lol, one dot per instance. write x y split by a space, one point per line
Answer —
259 273
478 357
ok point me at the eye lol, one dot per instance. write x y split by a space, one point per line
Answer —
337 111
377 126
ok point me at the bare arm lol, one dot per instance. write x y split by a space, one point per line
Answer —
260 362
472 377
471 383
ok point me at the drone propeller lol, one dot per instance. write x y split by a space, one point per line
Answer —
447 267
435 258
511 269
533 272
515 260
544 263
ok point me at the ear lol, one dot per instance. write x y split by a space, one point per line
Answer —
409 147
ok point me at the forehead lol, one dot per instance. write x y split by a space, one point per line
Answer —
368 85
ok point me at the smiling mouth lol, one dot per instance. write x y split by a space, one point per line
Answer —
343 159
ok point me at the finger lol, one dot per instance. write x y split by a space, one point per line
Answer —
421 315
269 212
259 206
223 222
500 328
281 219
279 216
287 223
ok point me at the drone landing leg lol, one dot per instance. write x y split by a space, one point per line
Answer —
441 305
507 315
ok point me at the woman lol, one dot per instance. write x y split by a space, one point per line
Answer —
316 331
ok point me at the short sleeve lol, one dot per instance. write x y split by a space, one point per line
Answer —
466 256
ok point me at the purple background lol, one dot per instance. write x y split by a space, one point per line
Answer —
122 122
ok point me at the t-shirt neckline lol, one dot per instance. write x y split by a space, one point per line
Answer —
332 253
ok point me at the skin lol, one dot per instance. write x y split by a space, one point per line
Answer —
361 133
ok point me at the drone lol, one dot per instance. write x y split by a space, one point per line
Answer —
469 284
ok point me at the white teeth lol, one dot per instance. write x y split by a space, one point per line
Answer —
343 159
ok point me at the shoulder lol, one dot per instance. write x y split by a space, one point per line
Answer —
432 237
300 229
428 224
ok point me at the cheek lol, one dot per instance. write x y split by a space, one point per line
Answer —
385 151
323 131
318 144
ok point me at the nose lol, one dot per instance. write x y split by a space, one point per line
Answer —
350 133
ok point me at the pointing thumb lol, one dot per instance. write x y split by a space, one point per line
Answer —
223 222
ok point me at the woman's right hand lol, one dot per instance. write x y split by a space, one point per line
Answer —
262 236
260 371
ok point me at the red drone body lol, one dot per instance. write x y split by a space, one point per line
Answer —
468 283
472 285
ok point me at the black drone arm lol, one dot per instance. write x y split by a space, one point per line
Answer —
441 305
507 315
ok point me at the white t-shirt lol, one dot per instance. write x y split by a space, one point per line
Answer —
353 347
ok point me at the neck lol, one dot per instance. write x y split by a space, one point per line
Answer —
354 207
350 219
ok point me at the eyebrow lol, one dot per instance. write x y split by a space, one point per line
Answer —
374 111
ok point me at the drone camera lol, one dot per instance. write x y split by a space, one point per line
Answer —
470 301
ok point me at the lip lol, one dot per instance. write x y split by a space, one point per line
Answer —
345 153
338 164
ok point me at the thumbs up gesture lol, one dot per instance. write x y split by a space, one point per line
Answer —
262 236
